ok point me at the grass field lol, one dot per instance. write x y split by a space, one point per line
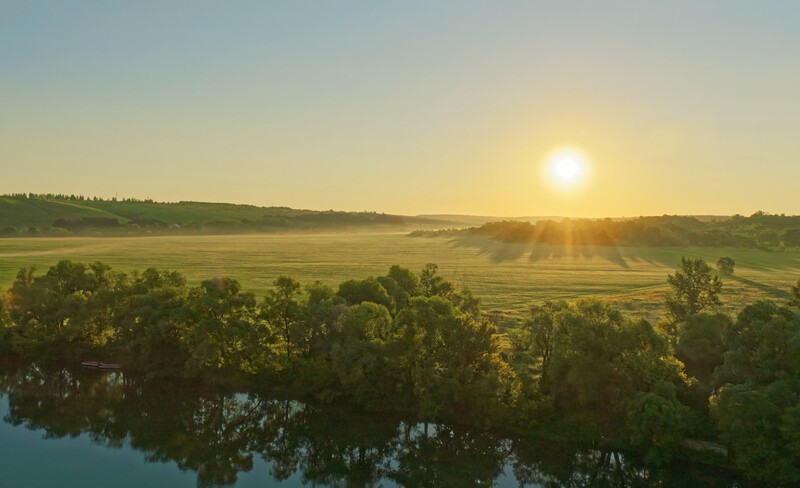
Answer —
507 277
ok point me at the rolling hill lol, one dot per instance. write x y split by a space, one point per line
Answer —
60 215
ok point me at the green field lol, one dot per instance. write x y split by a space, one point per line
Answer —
507 277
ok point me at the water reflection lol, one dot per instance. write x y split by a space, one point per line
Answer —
218 435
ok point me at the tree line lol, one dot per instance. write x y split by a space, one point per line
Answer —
71 197
60 214
417 344
761 230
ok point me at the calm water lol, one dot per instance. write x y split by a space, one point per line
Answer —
76 428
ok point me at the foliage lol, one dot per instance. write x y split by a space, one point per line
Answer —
151 326
794 297
72 304
598 360
699 344
432 284
759 230
355 292
538 332
219 435
756 406
225 338
725 265
657 423
76 214
506 282
283 312
694 289
418 344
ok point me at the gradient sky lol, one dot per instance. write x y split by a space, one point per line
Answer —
684 107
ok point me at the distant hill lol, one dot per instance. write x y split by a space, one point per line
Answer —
760 230
75 215
472 220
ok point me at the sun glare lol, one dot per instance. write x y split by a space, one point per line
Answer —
566 168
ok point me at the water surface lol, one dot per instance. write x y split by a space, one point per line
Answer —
77 428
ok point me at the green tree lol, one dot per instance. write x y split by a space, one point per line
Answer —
401 284
694 289
67 311
758 387
151 323
700 345
725 265
321 313
763 345
538 332
225 338
282 310
362 358
5 328
369 290
432 284
749 423
451 361
406 279
600 361
794 297
657 423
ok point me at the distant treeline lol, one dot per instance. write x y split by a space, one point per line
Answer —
760 230
59 215
416 344
72 197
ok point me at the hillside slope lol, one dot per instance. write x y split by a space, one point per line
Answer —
37 214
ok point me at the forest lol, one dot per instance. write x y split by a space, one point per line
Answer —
697 385
58 215
761 230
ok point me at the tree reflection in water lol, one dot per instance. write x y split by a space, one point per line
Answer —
217 435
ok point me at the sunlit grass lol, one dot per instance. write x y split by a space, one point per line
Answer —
507 277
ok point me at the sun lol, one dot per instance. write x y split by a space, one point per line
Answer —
566 168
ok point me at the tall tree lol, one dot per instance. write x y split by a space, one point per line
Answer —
601 360
758 386
432 284
225 338
700 345
151 325
538 333
694 288
282 310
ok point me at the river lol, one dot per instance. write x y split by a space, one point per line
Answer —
78 428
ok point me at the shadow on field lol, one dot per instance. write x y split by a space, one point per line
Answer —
772 290
499 252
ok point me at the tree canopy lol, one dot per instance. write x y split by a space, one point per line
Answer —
416 344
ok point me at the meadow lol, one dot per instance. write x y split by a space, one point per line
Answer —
508 278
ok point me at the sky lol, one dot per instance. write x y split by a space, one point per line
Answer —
413 107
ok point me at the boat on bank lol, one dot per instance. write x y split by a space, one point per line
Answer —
99 365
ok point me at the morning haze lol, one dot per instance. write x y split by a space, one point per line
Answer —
359 105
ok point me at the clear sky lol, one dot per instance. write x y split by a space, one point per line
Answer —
682 107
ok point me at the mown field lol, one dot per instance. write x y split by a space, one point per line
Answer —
507 277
